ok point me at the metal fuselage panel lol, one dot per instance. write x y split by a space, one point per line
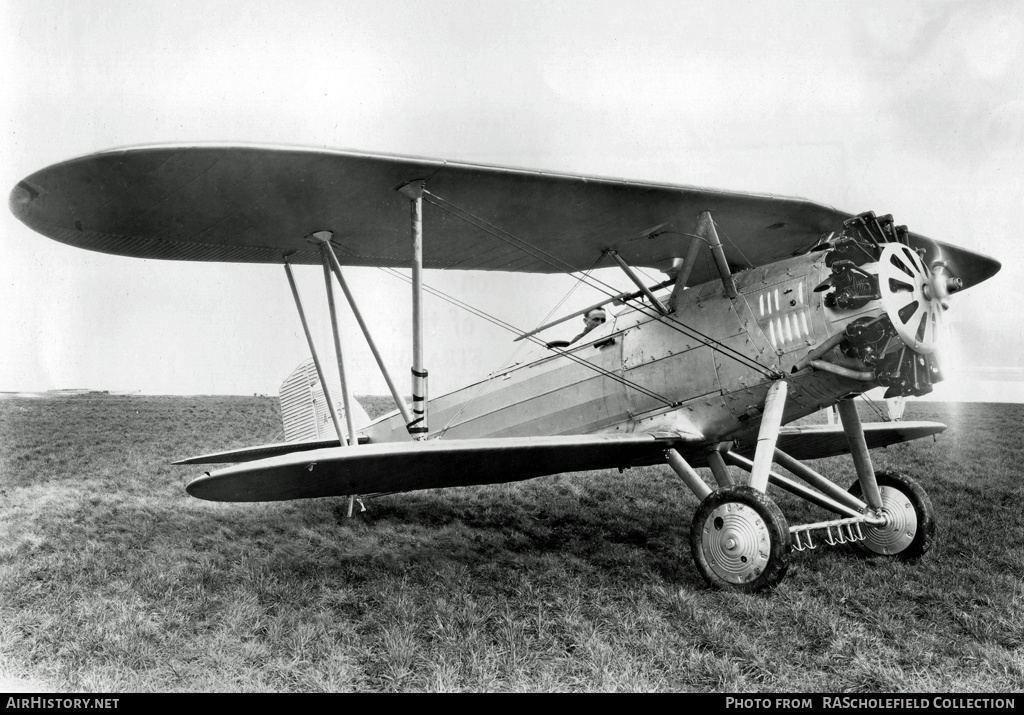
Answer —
706 368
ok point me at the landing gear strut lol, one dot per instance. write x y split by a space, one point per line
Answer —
739 538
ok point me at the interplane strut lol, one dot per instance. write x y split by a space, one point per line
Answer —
345 396
419 426
312 350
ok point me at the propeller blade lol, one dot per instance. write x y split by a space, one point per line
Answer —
970 267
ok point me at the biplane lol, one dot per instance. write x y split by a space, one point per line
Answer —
802 307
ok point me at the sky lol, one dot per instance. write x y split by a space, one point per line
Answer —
913 109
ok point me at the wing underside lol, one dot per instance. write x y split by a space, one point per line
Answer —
407 466
258 204
819 441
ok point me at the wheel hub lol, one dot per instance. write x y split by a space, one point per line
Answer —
736 542
900 526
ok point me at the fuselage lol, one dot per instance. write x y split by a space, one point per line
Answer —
703 369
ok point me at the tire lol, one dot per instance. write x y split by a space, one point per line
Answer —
910 532
740 540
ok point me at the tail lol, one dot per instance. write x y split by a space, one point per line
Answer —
304 409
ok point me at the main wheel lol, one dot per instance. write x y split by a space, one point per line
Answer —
740 540
910 520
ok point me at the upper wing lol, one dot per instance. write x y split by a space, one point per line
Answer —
405 466
258 204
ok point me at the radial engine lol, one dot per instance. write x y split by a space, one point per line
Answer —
873 261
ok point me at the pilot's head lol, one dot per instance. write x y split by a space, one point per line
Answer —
593 318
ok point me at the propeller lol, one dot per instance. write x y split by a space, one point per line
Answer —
913 278
915 295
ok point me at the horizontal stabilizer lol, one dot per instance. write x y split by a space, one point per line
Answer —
406 466
819 441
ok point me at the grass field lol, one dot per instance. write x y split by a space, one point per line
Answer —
113 579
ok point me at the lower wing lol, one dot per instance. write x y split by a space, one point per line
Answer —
818 441
407 466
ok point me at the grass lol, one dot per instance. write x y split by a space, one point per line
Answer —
112 579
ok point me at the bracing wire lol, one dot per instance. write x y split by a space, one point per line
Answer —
508 326
601 286
650 279
572 290
596 283
873 405
719 228
507 361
